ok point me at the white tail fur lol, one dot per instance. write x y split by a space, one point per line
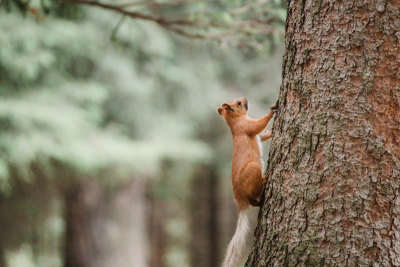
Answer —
238 241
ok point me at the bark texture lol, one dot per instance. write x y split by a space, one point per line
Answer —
333 196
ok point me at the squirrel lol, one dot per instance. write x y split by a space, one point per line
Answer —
247 166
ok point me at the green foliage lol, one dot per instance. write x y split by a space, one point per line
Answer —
75 105
32 52
53 108
244 24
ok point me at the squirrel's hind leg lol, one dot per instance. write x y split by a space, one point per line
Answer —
251 183
255 203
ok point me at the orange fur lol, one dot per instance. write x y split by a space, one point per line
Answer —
247 180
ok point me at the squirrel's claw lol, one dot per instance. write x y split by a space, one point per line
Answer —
275 106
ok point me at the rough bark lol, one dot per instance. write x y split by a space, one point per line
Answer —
333 198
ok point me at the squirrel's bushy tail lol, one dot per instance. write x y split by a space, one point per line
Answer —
238 241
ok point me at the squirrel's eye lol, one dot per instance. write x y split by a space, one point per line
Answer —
239 103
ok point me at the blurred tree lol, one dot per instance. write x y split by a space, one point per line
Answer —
205 203
332 197
53 119
86 123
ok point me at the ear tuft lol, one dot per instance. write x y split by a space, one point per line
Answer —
220 111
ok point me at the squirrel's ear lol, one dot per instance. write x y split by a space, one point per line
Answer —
226 106
220 111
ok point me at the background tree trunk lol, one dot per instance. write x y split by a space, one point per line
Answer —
204 220
156 227
332 197
106 226
81 207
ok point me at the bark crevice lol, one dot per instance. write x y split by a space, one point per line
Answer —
333 193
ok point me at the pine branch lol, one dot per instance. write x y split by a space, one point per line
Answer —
133 14
240 32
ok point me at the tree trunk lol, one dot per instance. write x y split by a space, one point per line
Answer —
105 228
156 227
333 198
81 209
2 258
204 223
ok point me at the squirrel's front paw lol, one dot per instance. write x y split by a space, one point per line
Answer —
275 106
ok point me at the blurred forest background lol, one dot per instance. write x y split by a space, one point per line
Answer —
112 152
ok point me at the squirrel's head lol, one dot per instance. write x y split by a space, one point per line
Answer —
234 109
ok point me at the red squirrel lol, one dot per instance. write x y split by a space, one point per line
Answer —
247 166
